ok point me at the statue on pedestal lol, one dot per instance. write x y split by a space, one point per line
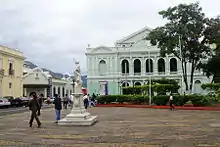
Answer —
78 80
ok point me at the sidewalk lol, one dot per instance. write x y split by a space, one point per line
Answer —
116 127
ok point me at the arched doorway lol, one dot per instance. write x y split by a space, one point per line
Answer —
58 91
137 66
63 91
102 68
137 84
149 68
197 87
173 65
125 66
161 65
54 91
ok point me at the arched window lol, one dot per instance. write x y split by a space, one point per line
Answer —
102 68
137 84
125 84
173 65
137 66
54 91
58 91
125 66
63 91
149 68
161 65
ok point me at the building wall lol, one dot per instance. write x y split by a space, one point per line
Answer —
132 48
11 85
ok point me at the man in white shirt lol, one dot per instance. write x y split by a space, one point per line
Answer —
86 101
171 102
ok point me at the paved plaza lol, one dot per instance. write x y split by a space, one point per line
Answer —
116 127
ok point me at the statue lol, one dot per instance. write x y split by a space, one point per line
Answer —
78 80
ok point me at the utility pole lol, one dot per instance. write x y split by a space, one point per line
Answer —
181 58
149 68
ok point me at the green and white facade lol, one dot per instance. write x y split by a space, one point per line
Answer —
111 68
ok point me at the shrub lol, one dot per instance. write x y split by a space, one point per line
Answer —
211 86
161 100
158 88
135 99
200 100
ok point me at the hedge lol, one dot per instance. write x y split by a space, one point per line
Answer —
211 86
162 100
158 88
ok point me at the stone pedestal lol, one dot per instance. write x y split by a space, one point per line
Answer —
78 116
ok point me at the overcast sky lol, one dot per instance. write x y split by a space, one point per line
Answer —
53 32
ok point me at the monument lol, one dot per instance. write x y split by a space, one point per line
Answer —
78 116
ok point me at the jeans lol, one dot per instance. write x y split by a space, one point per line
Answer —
57 114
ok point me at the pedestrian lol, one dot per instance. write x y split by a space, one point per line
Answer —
65 101
171 102
35 110
86 101
57 106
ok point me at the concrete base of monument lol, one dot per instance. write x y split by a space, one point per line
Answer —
84 119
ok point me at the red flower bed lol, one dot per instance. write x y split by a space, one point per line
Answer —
185 107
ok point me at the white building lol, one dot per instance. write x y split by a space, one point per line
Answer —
36 80
107 66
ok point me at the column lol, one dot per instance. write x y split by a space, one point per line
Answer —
45 92
131 67
155 65
143 70
25 92
167 64
1 87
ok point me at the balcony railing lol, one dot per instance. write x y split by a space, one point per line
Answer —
11 72
173 72
137 73
161 73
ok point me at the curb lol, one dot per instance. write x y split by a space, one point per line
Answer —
158 107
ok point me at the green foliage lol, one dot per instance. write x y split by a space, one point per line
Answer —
158 88
136 99
186 25
211 86
161 100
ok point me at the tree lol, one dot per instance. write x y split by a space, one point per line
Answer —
181 36
212 36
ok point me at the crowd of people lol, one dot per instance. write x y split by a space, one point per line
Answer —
36 102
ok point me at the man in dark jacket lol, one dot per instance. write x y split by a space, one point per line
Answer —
34 107
57 106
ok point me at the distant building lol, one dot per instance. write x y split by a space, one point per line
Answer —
11 72
131 62
44 82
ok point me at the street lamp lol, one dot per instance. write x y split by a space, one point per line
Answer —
181 58
149 83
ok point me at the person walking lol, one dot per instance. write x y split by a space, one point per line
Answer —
57 106
86 101
65 101
35 110
171 102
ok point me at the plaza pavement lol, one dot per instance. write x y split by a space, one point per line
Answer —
126 127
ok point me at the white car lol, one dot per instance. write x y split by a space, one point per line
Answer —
4 102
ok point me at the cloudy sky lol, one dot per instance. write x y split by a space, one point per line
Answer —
51 33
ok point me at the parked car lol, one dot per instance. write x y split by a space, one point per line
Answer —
4 102
24 101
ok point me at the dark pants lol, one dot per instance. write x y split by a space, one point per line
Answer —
34 116
171 105
86 103
65 103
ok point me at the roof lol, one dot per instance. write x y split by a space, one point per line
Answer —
134 34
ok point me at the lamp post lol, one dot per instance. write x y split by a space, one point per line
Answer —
149 67
181 58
